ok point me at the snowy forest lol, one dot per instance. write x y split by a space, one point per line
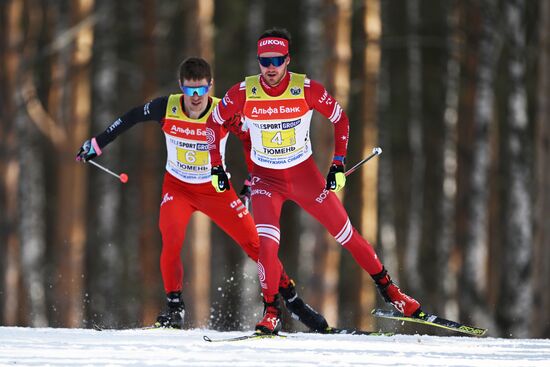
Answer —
455 92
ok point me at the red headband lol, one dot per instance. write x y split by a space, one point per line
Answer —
273 44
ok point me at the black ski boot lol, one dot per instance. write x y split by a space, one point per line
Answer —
174 314
300 310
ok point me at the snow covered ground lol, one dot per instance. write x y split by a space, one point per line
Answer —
85 347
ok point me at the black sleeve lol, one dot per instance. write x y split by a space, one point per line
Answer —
151 111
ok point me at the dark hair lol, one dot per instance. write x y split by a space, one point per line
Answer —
277 32
194 68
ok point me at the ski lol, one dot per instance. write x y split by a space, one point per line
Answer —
148 327
329 331
244 337
433 320
345 331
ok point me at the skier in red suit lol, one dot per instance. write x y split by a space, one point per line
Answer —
187 188
277 106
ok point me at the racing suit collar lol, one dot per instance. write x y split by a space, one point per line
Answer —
278 89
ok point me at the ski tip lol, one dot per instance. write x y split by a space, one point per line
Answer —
473 331
206 338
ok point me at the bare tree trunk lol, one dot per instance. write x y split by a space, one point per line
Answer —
435 60
395 164
250 289
199 24
417 159
32 196
473 238
149 158
338 71
3 153
105 248
387 233
71 228
10 167
327 252
58 20
350 275
254 27
314 241
369 223
516 280
444 287
540 317
356 288
469 15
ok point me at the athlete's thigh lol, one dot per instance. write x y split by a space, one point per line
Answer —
266 202
175 211
319 202
266 206
230 214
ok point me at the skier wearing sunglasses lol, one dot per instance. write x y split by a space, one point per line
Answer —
277 106
187 188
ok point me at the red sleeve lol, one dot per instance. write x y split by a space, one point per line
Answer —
247 147
234 125
319 99
231 105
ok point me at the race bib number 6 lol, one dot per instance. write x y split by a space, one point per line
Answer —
192 157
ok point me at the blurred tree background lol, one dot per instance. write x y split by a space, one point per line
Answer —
457 206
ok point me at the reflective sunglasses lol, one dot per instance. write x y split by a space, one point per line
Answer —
200 90
275 61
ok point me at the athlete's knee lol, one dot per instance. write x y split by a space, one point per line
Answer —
172 233
345 233
252 249
268 233
171 247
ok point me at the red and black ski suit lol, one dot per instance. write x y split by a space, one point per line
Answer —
187 160
283 168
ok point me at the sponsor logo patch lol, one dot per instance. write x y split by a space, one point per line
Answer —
322 196
295 91
166 198
260 192
271 42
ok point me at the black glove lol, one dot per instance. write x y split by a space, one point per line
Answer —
88 151
246 192
336 179
220 181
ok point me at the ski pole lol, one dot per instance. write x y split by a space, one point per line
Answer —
123 177
375 151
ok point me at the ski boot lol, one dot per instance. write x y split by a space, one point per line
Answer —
271 322
174 314
408 306
299 310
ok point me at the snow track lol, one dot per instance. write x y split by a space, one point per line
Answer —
84 347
